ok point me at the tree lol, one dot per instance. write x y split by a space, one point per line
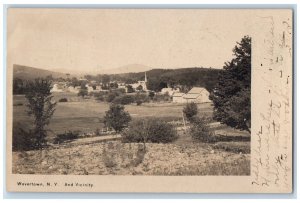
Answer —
113 85
105 79
83 91
156 84
19 86
190 110
139 88
116 117
231 96
130 89
200 131
151 95
40 107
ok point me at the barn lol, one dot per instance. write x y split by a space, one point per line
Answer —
197 95
177 97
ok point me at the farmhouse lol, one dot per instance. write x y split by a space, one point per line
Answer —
74 89
197 95
58 87
169 91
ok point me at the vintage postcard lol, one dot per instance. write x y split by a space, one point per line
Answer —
149 100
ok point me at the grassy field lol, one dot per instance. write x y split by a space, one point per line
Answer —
87 115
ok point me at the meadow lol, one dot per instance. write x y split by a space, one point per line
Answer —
86 115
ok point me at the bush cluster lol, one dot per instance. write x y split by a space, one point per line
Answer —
152 130
161 98
124 99
23 140
200 131
190 110
63 100
67 136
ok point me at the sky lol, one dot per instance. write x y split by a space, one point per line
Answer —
91 40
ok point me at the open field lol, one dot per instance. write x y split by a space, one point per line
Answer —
87 115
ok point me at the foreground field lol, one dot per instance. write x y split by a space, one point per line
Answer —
129 159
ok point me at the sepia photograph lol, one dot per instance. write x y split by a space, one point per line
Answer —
139 92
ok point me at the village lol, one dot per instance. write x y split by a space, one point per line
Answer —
196 94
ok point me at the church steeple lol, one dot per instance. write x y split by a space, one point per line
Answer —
145 76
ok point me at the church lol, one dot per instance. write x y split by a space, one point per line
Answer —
142 83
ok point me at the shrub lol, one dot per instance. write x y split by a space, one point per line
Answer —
141 97
97 132
63 100
67 136
152 130
151 95
190 110
124 99
111 96
23 140
200 131
129 89
100 96
161 98
83 91
139 102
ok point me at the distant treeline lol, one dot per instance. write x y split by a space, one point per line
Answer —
19 86
186 78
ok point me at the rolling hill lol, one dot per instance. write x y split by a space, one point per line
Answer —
131 68
29 73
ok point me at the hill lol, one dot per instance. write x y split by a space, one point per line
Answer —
131 68
29 73
188 77
157 78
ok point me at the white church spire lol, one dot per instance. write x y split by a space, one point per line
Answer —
145 76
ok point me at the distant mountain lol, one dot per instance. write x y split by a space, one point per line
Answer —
131 68
29 73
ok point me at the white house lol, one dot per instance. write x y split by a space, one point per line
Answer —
56 88
89 88
73 89
169 91
197 95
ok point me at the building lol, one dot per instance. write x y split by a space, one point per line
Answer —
59 87
178 97
197 95
169 91
74 89
142 83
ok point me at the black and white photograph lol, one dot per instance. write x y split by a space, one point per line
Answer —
139 92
